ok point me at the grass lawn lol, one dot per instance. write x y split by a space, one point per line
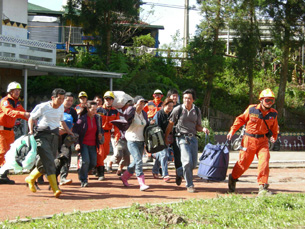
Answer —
232 211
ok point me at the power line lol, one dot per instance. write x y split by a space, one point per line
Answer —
170 6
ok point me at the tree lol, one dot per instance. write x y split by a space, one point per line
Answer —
247 39
287 21
206 50
101 18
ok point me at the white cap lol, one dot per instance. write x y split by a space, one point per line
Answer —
158 92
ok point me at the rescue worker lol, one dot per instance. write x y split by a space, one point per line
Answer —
261 123
108 114
83 98
10 110
151 108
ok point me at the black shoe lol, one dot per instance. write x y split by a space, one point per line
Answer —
40 180
232 183
6 180
178 180
119 172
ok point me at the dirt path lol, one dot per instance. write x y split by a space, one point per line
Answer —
17 201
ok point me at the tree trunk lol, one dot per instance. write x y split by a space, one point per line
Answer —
108 39
207 97
250 77
283 82
211 75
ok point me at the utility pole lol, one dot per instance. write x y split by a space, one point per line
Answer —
186 25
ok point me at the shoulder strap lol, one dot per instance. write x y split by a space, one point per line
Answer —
264 120
197 110
179 113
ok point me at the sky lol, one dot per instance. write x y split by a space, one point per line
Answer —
172 18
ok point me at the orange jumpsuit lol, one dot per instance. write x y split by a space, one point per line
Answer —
257 145
152 107
10 110
107 115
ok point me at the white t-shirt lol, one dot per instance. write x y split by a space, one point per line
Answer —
47 115
135 131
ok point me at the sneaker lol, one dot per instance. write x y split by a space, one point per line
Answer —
166 179
231 183
84 184
156 176
65 181
191 189
178 180
100 178
263 190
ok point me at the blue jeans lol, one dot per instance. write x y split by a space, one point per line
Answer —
161 160
189 157
136 150
89 157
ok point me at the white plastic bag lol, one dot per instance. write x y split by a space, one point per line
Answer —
28 161
120 99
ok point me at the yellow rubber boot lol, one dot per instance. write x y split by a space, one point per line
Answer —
31 178
54 186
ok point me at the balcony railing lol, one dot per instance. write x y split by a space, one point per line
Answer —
29 51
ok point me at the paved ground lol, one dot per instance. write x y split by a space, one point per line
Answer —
286 175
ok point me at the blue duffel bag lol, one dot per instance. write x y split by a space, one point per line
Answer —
213 163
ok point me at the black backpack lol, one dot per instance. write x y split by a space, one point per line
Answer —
154 139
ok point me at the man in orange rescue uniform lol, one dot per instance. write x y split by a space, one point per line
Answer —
153 106
10 110
261 123
108 114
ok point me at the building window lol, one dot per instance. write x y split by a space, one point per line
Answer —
76 35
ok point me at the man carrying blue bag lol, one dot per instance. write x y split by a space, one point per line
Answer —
188 121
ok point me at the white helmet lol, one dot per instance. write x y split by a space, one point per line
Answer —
13 85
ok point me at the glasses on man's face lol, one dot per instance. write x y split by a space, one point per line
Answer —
269 100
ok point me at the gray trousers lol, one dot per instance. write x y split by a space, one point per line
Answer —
47 145
121 153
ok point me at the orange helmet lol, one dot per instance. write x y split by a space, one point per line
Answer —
266 93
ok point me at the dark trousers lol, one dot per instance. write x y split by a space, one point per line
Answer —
47 144
63 160
177 155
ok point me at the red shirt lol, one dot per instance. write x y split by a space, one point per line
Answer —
90 135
